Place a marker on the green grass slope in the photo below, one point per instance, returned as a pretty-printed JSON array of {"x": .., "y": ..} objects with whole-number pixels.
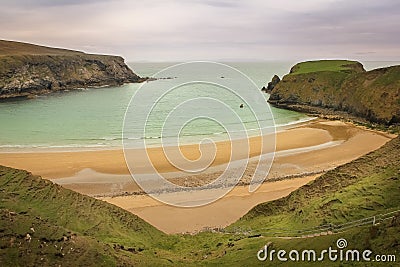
[
  {"x": 362, "y": 188},
  {"x": 62, "y": 222}
]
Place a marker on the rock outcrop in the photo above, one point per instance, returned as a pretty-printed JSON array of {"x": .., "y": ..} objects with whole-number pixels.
[
  {"x": 341, "y": 87},
  {"x": 271, "y": 85},
  {"x": 27, "y": 70}
]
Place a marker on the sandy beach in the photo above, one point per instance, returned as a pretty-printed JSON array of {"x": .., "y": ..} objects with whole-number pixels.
[
  {"x": 64, "y": 164},
  {"x": 303, "y": 152}
]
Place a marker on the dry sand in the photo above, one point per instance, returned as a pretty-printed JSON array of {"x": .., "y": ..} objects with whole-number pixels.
[
  {"x": 221, "y": 213},
  {"x": 302, "y": 151}
]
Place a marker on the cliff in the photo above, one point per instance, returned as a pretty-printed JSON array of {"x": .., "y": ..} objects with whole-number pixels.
[
  {"x": 27, "y": 70},
  {"x": 341, "y": 86}
]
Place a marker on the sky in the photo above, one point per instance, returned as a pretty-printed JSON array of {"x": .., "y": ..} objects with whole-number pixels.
[{"x": 219, "y": 30}]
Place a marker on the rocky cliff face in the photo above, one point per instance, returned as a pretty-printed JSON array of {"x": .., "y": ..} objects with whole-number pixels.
[
  {"x": 342, "y": 86},
  {"x": 27, "y": 70}
]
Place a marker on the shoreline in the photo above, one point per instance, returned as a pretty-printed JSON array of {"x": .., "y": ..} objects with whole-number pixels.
[
  {"x": 12, "y": 149},
  {"x": 42, "y": 162}
]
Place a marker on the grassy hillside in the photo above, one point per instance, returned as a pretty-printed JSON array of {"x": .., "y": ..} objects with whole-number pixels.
[
  {"x": 67, "y": 228},
  {"x": 341, "y": 86}
]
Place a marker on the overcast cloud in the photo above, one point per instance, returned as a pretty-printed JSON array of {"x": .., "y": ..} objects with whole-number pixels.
[{"x": 176, "y": 30}]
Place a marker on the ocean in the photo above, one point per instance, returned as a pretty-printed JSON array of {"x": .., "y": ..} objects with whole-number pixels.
[{"x": 93, "y": 118}]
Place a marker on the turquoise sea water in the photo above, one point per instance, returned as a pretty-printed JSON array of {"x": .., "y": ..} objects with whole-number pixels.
[{"x": 93, "y": 118}]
